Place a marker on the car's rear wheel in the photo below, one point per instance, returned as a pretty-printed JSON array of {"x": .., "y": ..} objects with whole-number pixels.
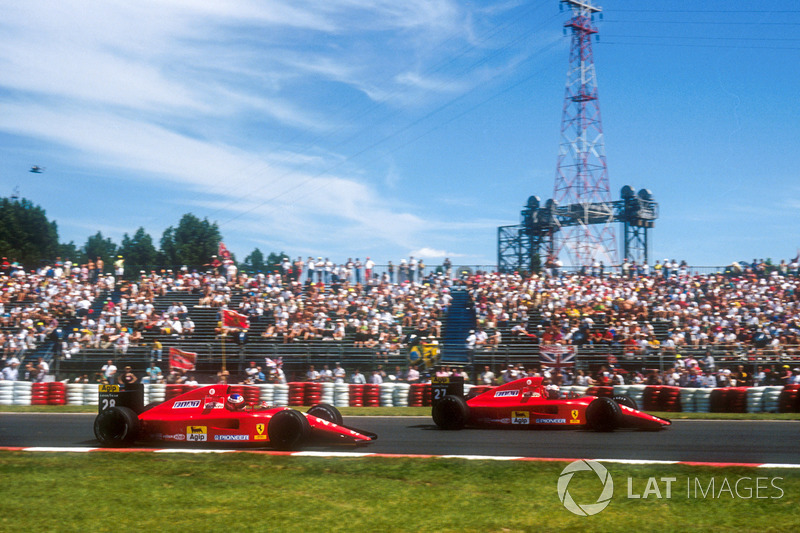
[
  {"x": 451, "y": 412},
  {"x": 603, "y": 414},
  {"x": 327, "y": 412},
  {"x": 626, "y": 401},
  {"x": 288, "y": 430},
  {"x": 116, "y": 426}
]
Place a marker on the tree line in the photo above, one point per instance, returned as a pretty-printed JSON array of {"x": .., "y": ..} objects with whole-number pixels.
[{"x": 30, "y": 239}]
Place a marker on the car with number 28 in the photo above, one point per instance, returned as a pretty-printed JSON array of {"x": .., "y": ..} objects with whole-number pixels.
[{"x": 215, "y": 415}]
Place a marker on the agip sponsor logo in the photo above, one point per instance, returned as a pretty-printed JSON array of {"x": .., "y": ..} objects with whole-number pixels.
[
  {"x": 186, "y": 404},
  {"x": 506, "y": 393},
  {"x": 108, "y": 388},
  {"x": 197, "y": 433},
  {"x": 520, "y": 417}
]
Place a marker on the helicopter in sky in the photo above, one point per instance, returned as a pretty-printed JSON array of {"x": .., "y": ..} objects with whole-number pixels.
[{"x": 36, "y": 169}]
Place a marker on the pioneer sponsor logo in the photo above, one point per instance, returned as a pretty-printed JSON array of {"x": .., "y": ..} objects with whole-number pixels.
[
  {"x": 506, "y": 393},
  {"x": 231, "y": 437},
  {"x": 186, "y": 404},
  {"x": 551, "y": 421}
]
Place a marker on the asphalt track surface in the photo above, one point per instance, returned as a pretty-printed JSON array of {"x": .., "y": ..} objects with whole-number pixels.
[{"x": 730, "y": 441}]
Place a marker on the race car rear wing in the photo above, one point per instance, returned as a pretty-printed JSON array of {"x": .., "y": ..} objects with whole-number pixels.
[
  {"x": 131, "y": 396},
  {"x": 448, "y": 385}
]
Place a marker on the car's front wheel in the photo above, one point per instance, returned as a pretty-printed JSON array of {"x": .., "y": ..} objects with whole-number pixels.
[
  {"x": 288, "y": 430},
  {"x": 603, "y": 414},
  {"x": 327, "y": 412}
]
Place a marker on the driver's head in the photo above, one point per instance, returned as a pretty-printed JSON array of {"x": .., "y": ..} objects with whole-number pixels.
[
  {"x": 553, "y": 392},
  {"x": 235, "y": 402}
]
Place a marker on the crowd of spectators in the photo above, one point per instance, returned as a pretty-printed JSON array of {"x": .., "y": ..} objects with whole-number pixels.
[{"x": 633, "y": 310}]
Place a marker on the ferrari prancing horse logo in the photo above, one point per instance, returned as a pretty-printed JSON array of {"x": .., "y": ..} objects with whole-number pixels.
[
  {"x": 260, "y": 428},
  {"x": 575, "y": 414}
]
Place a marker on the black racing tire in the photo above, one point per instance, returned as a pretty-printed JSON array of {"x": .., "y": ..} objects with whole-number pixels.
[
  {"x": 451, "y": 412},
  {"x": 288, "y": 430},
  {"x": 327, "y": 412},
  {"x": 603, "y": 414},
  {"x": 626, "y": 400},
  {"x": 116, "y": 427}
]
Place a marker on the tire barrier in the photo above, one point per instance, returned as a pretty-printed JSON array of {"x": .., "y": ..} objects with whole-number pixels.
[
  {"x": 372, "y": 395},
  {"x": 297, "y": 393},
  {"x": 386, "y": 394},
  {"x": 6, "y": 393},
  {"x": 766, "y": 399},
  {"x": 341, "y": 395},
  {"x": 281, "y": 394},
  {"x": 787, "y": 401},
  {"x": 357, "y": 395}
]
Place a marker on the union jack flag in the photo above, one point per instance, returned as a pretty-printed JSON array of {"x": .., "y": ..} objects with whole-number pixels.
[{"x": 556, "y": 356}]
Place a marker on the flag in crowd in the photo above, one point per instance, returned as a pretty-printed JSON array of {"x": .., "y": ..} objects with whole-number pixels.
[
  {"x": 556, "y": 356},
  {"x": 274, "y": 363},
  {"x": 232, "y": 319},
  {"x": 182, "y": 360}
]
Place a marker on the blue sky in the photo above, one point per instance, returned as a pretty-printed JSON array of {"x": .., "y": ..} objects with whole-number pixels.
[{"x": 349, "y": 128}]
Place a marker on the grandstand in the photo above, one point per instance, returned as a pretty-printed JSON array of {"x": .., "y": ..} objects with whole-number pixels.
[{"x": 574, "y": 310}]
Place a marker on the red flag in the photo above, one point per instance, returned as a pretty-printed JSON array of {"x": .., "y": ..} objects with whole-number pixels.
[
  {"x": 181, "y": 359},
  {"x": 232, "y": 319}
]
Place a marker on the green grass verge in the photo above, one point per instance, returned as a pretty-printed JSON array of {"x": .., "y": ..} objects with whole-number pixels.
[
  {"x": 230, "y": 492},
  {"x": 416, "y": 411}
]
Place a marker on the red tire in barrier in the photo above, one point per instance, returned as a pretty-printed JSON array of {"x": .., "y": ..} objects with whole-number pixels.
[
  {"x": 669, "y": 399},
  {"x": 356, "y": 395},
  {"x": 426, "y": 395},
  {"x": 372, "y": 394},
  {"x": 718, "y": 400},
  {"x": 788, "y": 399},
  {"x": 416, "y": 395},
  {"x": 173, "y": 390},
  {"x": 736, "y": 400},
  {"x": 651, "y": 398}
]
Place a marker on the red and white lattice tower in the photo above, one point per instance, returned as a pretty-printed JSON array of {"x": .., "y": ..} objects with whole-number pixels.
[{"x": 582, "y": 176}]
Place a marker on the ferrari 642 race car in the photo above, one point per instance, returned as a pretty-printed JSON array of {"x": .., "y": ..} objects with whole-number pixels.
[
  {"x": 212, "y": 415},
  {"x": 527, "y": 403}
]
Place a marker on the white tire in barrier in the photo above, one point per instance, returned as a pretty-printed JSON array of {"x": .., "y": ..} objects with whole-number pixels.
[
  {"x": 386, "y": 394},
  {"x": 621, "y": 390},
  {"x": 266, "y": 392},
  {"x": 755, "y": 399},
  {"x": 771, "y": 397},
  {"x": 687, "y": 399},
  {"x": 341, "y": 395},
  {"x": 702, "y": 400},
  {"x": 401, "y": 394},
  {"x": 4, "y": 401},
  {"x": 281, "y": 394}
]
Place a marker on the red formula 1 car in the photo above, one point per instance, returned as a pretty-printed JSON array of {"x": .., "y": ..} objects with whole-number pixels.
[
  {"x": 213, "y": 415},
  {"x": 526, "y": 403}
]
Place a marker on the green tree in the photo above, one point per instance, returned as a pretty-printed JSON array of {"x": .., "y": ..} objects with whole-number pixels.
[
  {"x": 255, "y": 261},
  {"x": 138, "y": 251},
  {"x": 274, "y": 261},
  {"x": 25, "y": 233},
  {"x": 192, "y": 243},
  {"x": 98, "y": 246}
]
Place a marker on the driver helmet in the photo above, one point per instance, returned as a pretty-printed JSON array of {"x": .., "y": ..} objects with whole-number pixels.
[
  {"x": 553, "y": 392},
  {"x": 235, "y": 402}
]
